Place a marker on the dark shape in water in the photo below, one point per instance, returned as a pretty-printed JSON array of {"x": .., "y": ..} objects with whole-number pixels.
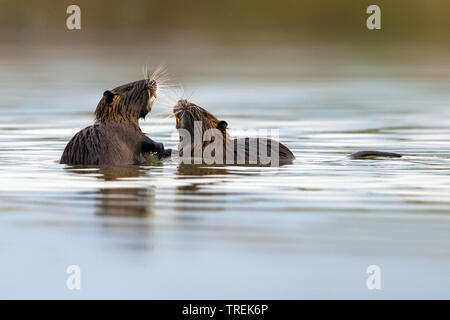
[{"x": 361, "y": 155}]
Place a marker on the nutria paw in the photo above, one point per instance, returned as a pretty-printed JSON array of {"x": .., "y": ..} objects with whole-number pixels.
[
  {"x": 167, "y": 153},
  {"x": 161, "y": 152},
  {"x": 159, "y": 149}
]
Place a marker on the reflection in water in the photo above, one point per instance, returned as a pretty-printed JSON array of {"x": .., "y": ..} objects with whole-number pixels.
[
  {"x": 186, "y": 171},
  {"x": 121, "y": 201},
  {"x": 201, "y": 170},
  {"x": 109, "y": 173},
  {"x": 203, "y": 176},
  {"x": 127, "y": 202}
]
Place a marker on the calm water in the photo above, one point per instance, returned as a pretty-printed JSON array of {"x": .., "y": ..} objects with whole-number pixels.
[{"x": 306, "y": 230}]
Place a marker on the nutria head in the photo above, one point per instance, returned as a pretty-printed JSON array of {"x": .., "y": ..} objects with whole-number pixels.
[
  {"x": 187, "y": 113},
  {"x": 197, "y": 127},
  {"x": 127, "y": 103}
]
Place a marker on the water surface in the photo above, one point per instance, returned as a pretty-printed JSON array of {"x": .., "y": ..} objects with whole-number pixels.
[{"x": 161, "y": 230}]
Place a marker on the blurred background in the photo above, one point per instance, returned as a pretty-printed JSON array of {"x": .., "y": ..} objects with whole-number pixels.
[
  {"x": 249, "y": 38},
  {"x": 310, "y": 69},
  {"x": 227, "y": 22}
]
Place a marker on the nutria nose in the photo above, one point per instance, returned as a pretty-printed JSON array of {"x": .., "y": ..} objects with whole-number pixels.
[{"x": 152, "y": 84}]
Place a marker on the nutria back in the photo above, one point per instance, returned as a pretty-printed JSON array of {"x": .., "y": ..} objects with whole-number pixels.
[
  {"x": 259, "y": 151},
  {"x": 104, "y": 144}
]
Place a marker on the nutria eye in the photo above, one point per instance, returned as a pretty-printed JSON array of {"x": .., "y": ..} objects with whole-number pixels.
[
  {"x": 222, "y": 125},
  {"x": 129, "y": 88},
  {"x": 109, "y": 96}
]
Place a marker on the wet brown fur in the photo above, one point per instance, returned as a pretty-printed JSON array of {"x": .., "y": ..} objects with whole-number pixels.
[
  {"x": 116, "y": 138},
  {"x": 187, "y": 113}
]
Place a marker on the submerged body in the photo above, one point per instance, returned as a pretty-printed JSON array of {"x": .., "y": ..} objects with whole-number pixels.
[
  {"x": 361, "y": 155},
  {"x": 108, "y": 144},
  {"x": 116, "y": 138},
  {"x": 216, "y": 146}
]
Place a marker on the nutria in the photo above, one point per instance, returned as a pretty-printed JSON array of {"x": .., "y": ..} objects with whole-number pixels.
[
  {"x": 116, "y": 138},
  {"x": 193, "y": 121}
]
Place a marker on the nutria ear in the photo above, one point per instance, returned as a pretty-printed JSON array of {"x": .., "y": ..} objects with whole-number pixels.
[
  {"x": 222, "y": 125},
  {"x": 109, "y": 96}
]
